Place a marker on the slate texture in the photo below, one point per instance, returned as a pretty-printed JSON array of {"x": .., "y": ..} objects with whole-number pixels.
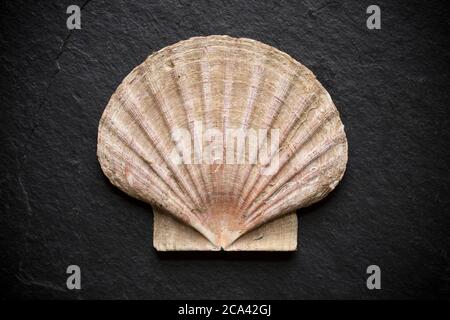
[{"x": 391, "y": 209}]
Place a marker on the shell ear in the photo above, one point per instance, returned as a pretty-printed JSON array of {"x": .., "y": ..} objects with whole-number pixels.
[
  {"x": 275, "y": 138},
  {"x": 171, "y": 235}
]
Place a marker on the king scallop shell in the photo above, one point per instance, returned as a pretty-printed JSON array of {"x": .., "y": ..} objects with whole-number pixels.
[{"x": 225, "y": 134}]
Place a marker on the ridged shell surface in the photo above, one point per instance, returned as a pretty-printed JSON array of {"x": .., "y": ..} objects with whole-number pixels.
[{"x": 166, "y": 106}]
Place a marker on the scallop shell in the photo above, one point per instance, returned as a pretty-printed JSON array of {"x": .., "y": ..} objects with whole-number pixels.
[{"x": 221, "y": 83}]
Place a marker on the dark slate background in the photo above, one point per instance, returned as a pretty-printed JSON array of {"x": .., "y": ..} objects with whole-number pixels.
[{"x": 391, "y": 209}]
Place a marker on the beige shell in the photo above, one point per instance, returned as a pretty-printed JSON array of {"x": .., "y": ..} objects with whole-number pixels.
[{"x": 222, "y": 82}]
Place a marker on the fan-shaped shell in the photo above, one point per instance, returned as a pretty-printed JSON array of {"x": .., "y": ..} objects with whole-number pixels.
[{"x": 222, "y": 82}]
